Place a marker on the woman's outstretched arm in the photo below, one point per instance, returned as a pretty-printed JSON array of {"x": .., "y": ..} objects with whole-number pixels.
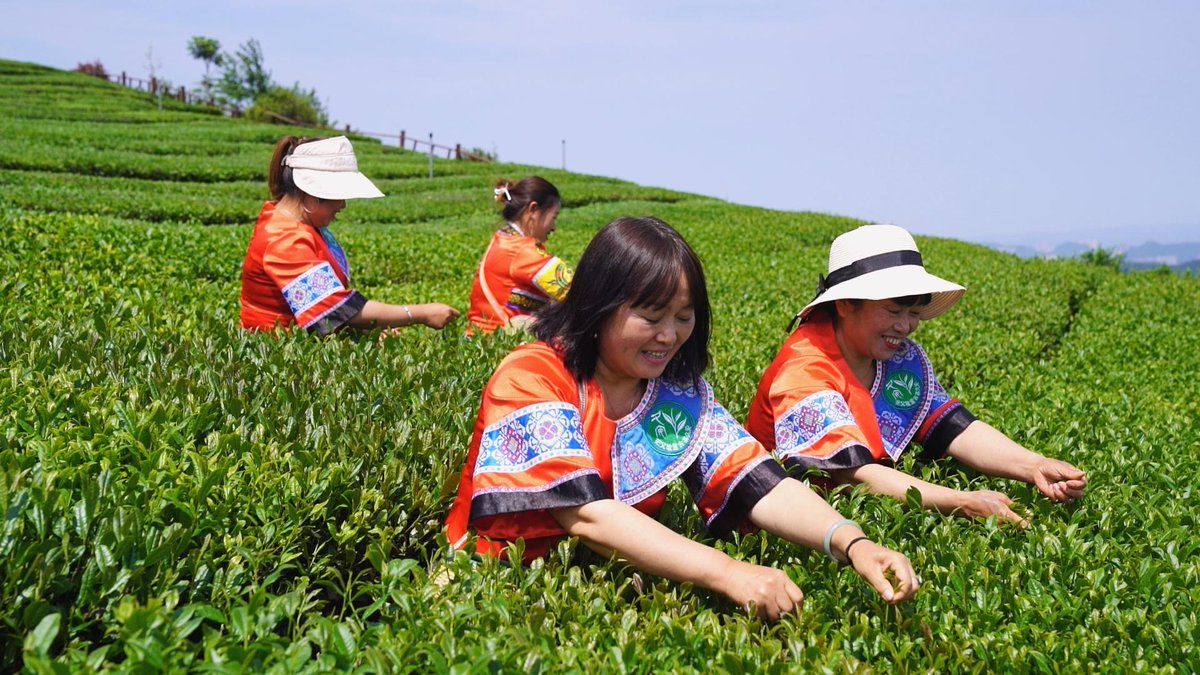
[
  {"x": 885, "y": 480},
  {"x": 608, "y": 526},
  {"x": 794, "y": 512},
  {"x": 384, "y": 315},
  {"x": 988, "y": 451}
]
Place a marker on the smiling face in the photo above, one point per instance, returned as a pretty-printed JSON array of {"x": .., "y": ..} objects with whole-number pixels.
[
  {"x": 637, "y": 343},
  {"x": 872, "y": 330}
]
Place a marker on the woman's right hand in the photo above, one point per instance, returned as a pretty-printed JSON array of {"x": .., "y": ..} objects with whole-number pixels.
[
  {"x": 873, "y": 563},
  {"x": 984, "y": 503},
  {"x": 435, "y": 314},
  {"x": 770, "y": 592}
]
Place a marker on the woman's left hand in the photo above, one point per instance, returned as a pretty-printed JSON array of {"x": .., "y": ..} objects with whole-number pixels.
[{"x": 1058, "y": 480}]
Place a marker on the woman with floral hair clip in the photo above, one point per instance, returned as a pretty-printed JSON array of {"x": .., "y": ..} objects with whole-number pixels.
[{"x": 516, "y": 275}]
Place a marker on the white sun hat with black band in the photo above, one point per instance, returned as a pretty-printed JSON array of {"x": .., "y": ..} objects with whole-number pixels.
[
  {"x": 328, "y": 169},
  {"x": 880, "y": 262}
]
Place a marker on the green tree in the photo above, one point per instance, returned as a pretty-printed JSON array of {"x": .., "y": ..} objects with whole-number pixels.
[
  {"x": 207, "y": 50},
  {"x": 244, "y": 76},
  {"x": 294, "y": 103}
]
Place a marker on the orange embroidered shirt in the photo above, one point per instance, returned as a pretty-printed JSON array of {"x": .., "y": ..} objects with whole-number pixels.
[
  {"x": 295, "y": 274},
  {"x": 520, "y": 276}
]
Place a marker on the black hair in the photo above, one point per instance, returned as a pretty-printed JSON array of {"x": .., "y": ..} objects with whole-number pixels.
[
  {"x": 903, "y": 301},
  {"x": 517, "y": 196},
  {"x": 635, "y": 261},
  {"x": 913, "y": 300}
]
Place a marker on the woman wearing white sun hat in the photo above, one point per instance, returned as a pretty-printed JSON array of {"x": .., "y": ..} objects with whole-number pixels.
[
  {"x": 295, "y": 272},
  {"x": 849, "y": 391}
]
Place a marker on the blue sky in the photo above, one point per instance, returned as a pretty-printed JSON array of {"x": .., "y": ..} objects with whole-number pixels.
[{"x": 1004, "y": 122}]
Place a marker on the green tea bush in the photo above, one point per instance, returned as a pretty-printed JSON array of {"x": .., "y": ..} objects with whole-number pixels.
[{"x": 181, "y": 495}]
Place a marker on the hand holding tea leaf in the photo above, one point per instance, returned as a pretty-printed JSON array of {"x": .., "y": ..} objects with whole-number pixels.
[
  {"x": 768, "y": 592},
  {"x": 984, "y": 503},
  {"x": 1059, "y": 480},
  {"x": 889, "y": 573}
]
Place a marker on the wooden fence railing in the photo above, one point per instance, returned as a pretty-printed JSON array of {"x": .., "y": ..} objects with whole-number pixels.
[{"x": 156, "y": 87}]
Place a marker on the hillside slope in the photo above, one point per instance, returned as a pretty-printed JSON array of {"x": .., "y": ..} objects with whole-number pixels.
[{"x": 178, "y": 493}]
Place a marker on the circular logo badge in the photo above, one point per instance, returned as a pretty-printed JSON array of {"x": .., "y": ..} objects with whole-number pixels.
[
  {"x": 669, "y": 427},
  {"x": 903, "y": 390}
]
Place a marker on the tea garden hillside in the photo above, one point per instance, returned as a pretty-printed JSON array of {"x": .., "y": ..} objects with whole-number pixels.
[{"x": 180, "y": 494}]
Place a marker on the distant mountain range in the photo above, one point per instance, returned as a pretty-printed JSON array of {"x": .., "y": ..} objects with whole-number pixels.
[{"x": 1179, "y": 257}]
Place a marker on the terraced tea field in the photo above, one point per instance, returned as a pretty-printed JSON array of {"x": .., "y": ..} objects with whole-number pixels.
[{"x": 180, "y": 495}]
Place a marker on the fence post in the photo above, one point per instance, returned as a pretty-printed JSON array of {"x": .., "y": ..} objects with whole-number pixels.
[
  {"x": 458, "y": 151},
  {"x": 401, "y": 139},
  {"x": 182, "y": 93},
  {"x": 122, "y": 78},
  {"x": 431, "y": 154}
]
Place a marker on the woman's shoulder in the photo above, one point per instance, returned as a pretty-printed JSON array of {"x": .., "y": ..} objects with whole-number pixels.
[
  {"x": 806, "y": 361},
  {"x": 535, "y": 370},
  {"x": 536, "y": 356}
]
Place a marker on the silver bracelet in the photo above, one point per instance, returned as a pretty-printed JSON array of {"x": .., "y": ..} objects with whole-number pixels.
[
  {"x": 411, "y": 321},
  {"x": 834, "y": 528}
]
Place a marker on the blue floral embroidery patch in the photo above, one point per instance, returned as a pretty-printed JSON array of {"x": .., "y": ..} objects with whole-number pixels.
[
  {"x": 720, "y": 437},
  {"x": 903, "y": 391},
  {"x": 809, "y": 421},
  {"x": 312, "y": 287},
  {"x": 530, "y": 436},
  {"x": 659, "y": 440}
]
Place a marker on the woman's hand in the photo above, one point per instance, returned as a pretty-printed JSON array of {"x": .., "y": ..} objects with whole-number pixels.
[
  {"x": 873, "y": 563},
  {"x": 1059, "y": 480},
  {"x": 435, "y": 314},
  {"x": 766, "y": 590},
  {"x": 984, "y": 503}
]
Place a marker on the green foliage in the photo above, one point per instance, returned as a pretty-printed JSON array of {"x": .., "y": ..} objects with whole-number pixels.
[
  {"x": 1103, "y": 257},
  {"x": 283, "y": 105},
  {"x": 244, "y": 75},
  {"x": 207, "y": 50},
  {"x": 180, "y": 495}
]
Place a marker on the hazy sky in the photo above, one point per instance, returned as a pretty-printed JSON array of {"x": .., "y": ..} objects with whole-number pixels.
[{"x": 1008, "y": 121}]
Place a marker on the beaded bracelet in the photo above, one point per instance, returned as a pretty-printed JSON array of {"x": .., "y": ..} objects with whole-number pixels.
[
  {"x": 411, "y": 321},
  {"x": 846, "y": 551}
]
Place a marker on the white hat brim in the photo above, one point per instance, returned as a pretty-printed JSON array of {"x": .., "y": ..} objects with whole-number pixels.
[
  {"x": 895, "y": 282},
  {"x": 335, "y": 184}
]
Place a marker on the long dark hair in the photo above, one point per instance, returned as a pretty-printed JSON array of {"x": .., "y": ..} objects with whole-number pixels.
[{"x": 638, "y": 261}]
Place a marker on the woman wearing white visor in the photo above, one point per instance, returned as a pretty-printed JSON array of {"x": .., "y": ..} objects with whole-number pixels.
[
  {"x": 849, "y": 391},
  {"x": 295, "y": 272}
]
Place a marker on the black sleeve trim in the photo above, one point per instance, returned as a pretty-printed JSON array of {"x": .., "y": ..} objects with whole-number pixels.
[
  {"x": 575, "y": 492},
  {"x": 752, "y": 487},
  {"x": 847, "y": 458},
  {"x": 334, "y": 320},
  {"x": 948, "y": 428}
]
